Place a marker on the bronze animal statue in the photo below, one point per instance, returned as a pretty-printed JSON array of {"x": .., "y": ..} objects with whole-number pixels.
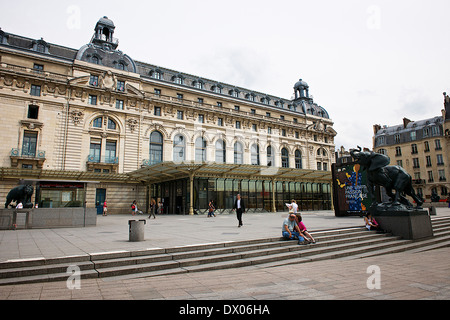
[
  {"x": 20, "y": 194},
  {"x": 380, "y": 173}
]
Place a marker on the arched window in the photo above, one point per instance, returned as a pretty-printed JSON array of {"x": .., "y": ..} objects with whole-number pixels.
[
  {"x": 285, "y": 158},
  {"x": 321, "y": 152},
  {"x": 156, "y": 148},
  {"x": 200, "y": 150},
  {"x": 270, "y": 157},
  {"x": 298, "y": 159},
  {"x": 95, "y": 60},
  {"x": 221, "y": 152},
  {"x": 255, "y": 155},
  {"x": 121, "y": 66},
  {"x": 238, "y": 153},
  {"x": 111, "y": 125},
  {"x": 97, "y": 123},
  {"x": 179, "y": 146}
]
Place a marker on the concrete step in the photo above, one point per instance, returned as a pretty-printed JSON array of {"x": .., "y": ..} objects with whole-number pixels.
[{"x": 331, "y": 244}]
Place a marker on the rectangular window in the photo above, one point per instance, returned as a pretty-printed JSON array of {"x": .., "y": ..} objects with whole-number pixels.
[
  {"x": 35, "y": 90},
  {"x": 110, "y": 152},
  {"x": 430, "y": 176},
  {"x": 295, "y": 120},
  {"x": 93, "y": 81},
  {"x": 92, "y": 100},
  {"x": 219, "y": 104},
  {"x": 269, "y": 130},
  {"x": 437, "y": 143},
  {"x": 95, "y": 151},
  {"x": 38, "y": 67},
  {"x": 416, "y": 163},
  {"x": 268, "y": 114},
  {"x": 319, "y": 166},
  {"x": 254, "y": 128},
  {"x": 220, "y": 122},
  {"x": 428, "y": 158},
  {"x": 201, "y": 118},
  {"x": 157, "y": 93},
  {"x": 283, "y": 132},
  {"x": 237, "y": 108},
  {"x": 252, "y": 111},
  {"x": 121, "y": 86},
  {"x": 180, "y": 115},
  {"x": 397, "y": 138},
  {"x": 442, "y": 175},
  {"x": 29, "y": 144},
  {"x": 281, "y": 117},
  {"x": 414, "y": 148},
  {"x": 440, "y": 160},
  {"x": 413, "y": 135},
  {"x": 400, "y": 163},
  {"x": 157, "y": 111},
  {"x": 427, "y": 146},
  {"x": 200, "y": 101},
  {"x": 238, "y": 124},
  {"x": 297, "y": 135},
  {"x": 179, "y": 97},
  {"x": 398, "y": 151},
  {"x": 119, "y": 104},
  {"x": 33, "y": 112}
]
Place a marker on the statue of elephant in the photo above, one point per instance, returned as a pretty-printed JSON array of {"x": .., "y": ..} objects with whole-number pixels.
[
  {"x": 20, "y": 194},
  {"x": 380, "y": 173}
]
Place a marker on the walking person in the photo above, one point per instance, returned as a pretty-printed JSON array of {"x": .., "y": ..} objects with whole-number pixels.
[
  {"x": 135, "y": 209},
  {"x": 211, "y": 209},
  {"x": 239, "y": 206},
  {"x": 105, "y": 208},
  {"x": 152, "y": 209}
]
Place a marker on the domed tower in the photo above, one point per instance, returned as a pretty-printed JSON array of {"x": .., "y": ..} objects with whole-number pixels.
[
  {"x": 102, "y": 49},
  {"x": 104, "y": 32},
  {"x": 301, "y": 90}
]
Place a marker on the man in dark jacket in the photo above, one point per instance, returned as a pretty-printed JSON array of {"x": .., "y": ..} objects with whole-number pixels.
[{"x": 239, "y": 206}]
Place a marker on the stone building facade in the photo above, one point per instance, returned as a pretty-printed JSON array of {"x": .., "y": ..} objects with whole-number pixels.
[
  {"x": 421, "y": 147},
  {"x": 82, "y": 124}
]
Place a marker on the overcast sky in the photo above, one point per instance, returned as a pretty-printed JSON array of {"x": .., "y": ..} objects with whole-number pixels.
[{"x": 366, "y": 62}]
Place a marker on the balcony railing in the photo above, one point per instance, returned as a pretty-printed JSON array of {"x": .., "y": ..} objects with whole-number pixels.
[
  {"x": 25, "y": 153},
  {"x": 108, "y": 160}
]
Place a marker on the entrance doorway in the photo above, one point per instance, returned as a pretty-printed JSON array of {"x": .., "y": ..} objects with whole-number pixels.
[{"x": 100, "y": 196}]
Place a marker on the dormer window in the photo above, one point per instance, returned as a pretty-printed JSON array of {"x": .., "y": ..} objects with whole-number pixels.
[
  {"x": 178, "y": 79},
  {"x": 95, "y": 60},
  {"x": 121, "y": 66}
]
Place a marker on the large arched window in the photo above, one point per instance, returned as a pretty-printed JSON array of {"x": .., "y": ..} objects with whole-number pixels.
[
  {"x": 285, "y": 158},
  {"x": 156, "y": 148},
  {"x": 221, "y": 152},
  {"x": 298, "y": 159},
  {"x": 238, "y": 153},
  {"x": 270, "y": 157},
  {"x": 179, "y": 148},
  {"x": 255, "y": 155},
  {"x": 200, "y": 150}
]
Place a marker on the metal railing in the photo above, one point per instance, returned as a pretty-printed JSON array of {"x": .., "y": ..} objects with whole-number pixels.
[{"x": 26, "y": 153}]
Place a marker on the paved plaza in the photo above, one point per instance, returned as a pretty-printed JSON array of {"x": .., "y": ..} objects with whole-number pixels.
[{"x": 406, "y": 275}]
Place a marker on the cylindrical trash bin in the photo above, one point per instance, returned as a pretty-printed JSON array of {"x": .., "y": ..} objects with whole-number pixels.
[{"x": 137, "y": 230}]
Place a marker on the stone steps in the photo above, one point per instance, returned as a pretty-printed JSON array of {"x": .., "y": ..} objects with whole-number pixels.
[{"x": 348, "y": 243}]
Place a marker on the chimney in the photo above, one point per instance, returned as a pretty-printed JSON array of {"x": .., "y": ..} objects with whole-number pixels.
[
  {"x": 376, "y": 128},
  {"x": 405, "y": 122}
]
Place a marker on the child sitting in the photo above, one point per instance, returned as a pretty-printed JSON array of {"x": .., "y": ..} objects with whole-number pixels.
[{"x": 303, "y": 229}]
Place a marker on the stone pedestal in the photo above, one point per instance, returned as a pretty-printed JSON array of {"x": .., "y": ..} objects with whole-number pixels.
[{"x": 408, "y": 224}]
